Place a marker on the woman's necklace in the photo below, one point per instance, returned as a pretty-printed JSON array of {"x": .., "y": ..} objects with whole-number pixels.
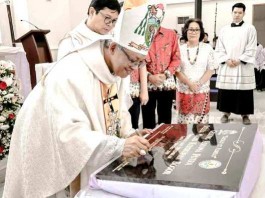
[{"x": 194, "y": 61}]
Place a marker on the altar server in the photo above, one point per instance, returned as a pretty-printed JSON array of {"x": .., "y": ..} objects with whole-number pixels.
[{"x": 235, "y": 50}]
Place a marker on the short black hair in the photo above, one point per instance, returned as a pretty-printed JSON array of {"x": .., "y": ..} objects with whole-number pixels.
[
  {"x": 205, "y": 33},
  {"x": 186, "y": 27},
  {"x": 101, "y": 4},
  {"x": 239, "y": 5}
]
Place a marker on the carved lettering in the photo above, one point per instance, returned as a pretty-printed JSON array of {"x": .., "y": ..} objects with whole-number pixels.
[
  {"x": 193, "y": 159},
  {"x": 201, "y": 147},
  {"x": 171, "y": 167}
]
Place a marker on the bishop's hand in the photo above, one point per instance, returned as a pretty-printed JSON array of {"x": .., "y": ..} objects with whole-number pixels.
[{"x": 133, "y": 146}]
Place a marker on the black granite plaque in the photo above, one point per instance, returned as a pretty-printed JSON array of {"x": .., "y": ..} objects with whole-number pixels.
[{"x": 212, "y": 156}]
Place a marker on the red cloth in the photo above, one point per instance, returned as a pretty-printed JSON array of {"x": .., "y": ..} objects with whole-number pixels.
[
  {"x": 164, "y": 52},
  {"x": 192, "y": 103}
]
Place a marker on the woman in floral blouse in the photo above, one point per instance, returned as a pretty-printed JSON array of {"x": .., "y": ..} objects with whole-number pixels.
[{"x": 194, "y": 73}]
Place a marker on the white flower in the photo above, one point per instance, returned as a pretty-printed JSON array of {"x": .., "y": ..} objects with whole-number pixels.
[
  {"x": 7, "y": 96},
  {"x": 14, "y": 100},
  {"x": 5, "y": 113},
  {"x": 4, "y": 127},
  {"x": 8, "y": 65},
  {"x": 7, "y": 80},
  {"x": 2, "y": 119}
]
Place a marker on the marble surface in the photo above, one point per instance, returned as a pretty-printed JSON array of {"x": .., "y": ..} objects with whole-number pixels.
[{"x": 197, "y": 156}]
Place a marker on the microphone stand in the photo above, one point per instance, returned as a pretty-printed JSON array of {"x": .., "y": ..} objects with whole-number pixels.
[
  {"x": 30, "y": 23},
  {"x": 7, "y": 2}
]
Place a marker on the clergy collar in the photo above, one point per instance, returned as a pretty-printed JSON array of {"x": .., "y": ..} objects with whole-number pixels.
[{"x": 237, "y": 24}]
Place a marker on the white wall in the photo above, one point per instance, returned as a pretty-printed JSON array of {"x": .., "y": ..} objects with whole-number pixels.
[
  {"x": 19, "y": 10},
  {"x": 53, "y": 15},
  {"x": 224, "y": 10},
  {"x": 60, "y": 16},
  {"x": 78, "y": 11},
  {"x": 4, "y": 27}
]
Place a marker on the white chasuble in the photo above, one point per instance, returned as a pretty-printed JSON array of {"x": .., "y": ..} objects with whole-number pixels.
[{"x": 60, "y": 130}]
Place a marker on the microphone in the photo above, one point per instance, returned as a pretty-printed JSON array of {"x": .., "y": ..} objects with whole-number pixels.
[{"x": 30, "y": 23}]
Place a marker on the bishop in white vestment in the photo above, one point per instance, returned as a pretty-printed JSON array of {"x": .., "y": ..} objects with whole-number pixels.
[{"x": 73, "y": 121}]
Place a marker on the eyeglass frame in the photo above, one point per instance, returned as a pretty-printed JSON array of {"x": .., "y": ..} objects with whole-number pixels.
[
  {"x": 134, "y": 63},
  {"x": 108, "y": 20},
  {"x": 194, "y": 30}
]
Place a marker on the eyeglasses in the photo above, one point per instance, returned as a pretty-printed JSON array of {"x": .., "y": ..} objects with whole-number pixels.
[
  {"x": 108, "y": 20},
  {"x": 133, "y": 62},
  {"x": 194, "y": 30}
]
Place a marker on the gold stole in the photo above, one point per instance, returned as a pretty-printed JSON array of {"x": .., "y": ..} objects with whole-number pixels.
[
  {"x": 112, "y": 121},
  {"x": 75, "y": 186},
  {"x": 111, "y": 109}
]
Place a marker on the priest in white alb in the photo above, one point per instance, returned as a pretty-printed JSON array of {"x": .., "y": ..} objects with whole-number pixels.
[{"x": 101, "y": 19}]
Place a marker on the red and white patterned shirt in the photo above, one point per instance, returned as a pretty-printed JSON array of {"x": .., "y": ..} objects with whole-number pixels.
[{"x": 164, "y": 52}]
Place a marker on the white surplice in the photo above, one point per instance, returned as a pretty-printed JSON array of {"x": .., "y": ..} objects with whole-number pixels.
[
  {"x": 236, "y": 43},
  {"x": 60, "y": 129},
  {"x": 81, "y": 35}
]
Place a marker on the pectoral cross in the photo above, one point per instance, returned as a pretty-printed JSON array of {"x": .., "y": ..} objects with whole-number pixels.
[
  {"x": 109, "y": 100},
  {"x": 111, "y": 109}
]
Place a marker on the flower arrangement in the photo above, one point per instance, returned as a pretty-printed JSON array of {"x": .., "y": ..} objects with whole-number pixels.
[{"x": 10, "y": 103}]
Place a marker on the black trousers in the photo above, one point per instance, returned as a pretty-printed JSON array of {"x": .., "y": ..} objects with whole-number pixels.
[
  {"x": 135, "y": 112},
  {"x": 257, "y": 77},
  {"x": 261, "y": 85},
  {"x": 162, "y": 100},
  {"x": 239, "y": 102}
]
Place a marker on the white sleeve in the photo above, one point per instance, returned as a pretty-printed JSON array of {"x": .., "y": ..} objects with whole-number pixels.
[
  {"x": 65, "y": 46},
  {"x": 251, "y": 46},
  {"x": 220, "y": 51}
]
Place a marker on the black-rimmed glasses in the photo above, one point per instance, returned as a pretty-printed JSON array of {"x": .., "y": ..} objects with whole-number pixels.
[
  {"x": 108, "y": 20},
  {"x": 133, "y": 62},
  {"x": 194, "y": 30}
]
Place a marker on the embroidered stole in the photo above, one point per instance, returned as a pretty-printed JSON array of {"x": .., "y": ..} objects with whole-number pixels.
[
  {"x": 111, "y": 109},
  {"x": 112, "y": 121}
]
